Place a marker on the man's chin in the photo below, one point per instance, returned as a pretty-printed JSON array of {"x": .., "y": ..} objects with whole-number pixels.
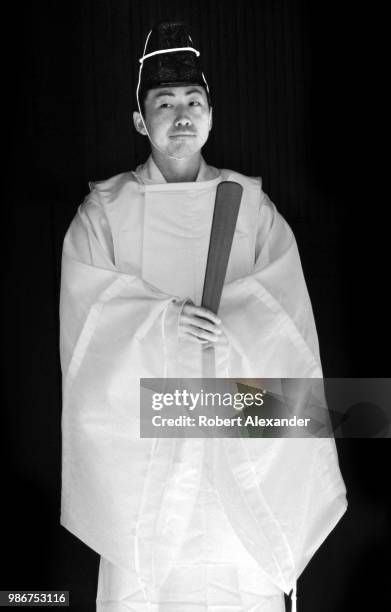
[{"x": 183, "y": 151}]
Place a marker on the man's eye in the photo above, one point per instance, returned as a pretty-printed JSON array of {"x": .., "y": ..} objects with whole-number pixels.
[
  {"x": 195, "y": 103},
  {"x": 165, "y": 105}
]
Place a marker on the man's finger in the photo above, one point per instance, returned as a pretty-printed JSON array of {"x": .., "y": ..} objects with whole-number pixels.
[
  {"x": 202, "y": 313},
  {"x": 195, "y": 339},
  {"x": 203, "y": 335},
  {"x": 201, "y": 324}
]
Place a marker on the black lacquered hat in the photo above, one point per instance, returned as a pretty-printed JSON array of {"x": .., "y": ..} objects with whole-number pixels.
[{"x": 169, "y": 59}]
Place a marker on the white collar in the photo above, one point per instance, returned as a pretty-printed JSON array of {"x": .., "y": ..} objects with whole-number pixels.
[{"x": 150, "y": 173}]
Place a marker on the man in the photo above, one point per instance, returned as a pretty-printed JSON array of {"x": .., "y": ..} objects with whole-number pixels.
[{"x": 184, "y": 524}]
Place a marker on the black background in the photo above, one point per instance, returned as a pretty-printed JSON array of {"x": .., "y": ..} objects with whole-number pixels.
[{"x": 297, "y": 89}]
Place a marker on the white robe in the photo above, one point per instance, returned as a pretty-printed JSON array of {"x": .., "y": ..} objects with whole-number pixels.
[{"x": 185, "y": 524}]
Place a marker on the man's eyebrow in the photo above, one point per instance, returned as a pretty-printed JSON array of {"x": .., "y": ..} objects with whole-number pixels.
[
  {"x": 170, "y": 93},
  {"x": 195, "y": 90}
]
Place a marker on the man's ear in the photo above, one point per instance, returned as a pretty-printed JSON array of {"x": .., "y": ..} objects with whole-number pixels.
[
  {"x": 139, "y": 123},
  {"x": 210, "y": 118}
]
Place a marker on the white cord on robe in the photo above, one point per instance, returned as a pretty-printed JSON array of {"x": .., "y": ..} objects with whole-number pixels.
[{"x": 294, "y": 598}]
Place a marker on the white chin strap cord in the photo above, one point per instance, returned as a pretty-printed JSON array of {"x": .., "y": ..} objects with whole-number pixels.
[{"x": 145, "y": 56}]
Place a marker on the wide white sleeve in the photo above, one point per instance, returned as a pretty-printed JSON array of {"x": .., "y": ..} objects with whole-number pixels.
[
  {"x": 267, "y": 314},
  {"x": 115, "y": 328},
  {"x": 283, "y": 496},
  {"x": 110, "y": 309}
]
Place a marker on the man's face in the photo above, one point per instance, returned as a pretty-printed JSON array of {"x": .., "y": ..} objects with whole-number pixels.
[{"x": 177, "y": 119}]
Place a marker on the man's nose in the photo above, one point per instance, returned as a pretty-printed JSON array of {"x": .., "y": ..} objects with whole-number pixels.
[{"x": 182, "y": 120}]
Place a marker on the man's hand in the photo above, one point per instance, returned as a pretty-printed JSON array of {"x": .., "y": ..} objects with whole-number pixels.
[{"x": 199, "y": 325}]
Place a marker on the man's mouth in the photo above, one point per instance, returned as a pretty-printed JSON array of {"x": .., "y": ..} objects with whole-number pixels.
[{"x": 182, "y": 135}]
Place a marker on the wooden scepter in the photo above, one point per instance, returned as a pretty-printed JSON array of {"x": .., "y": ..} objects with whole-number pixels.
[{"x": 226, "y": 209}]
